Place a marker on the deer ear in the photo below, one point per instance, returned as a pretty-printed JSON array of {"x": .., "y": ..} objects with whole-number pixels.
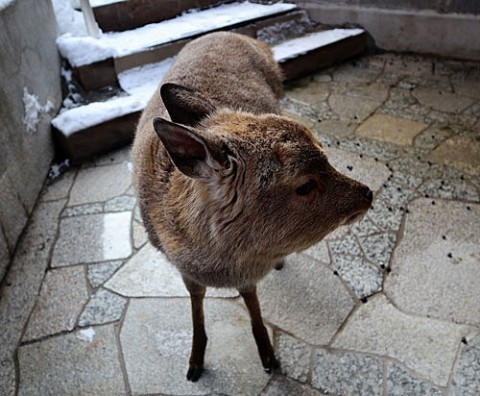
[
  {"x": 184, "y": 105},
  {"x": 189, "y": 151}
]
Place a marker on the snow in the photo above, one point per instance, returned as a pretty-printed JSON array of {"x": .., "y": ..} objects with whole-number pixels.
[
  {"x": 87, "y": 334},
  {"x": 81, "y": 51},
  {"x": 99, "y": 3},
  {"x": 142, "y": 81},
  {"x": 5, "y": 3},
  {"x": 69, "y": 20},
  {"x": 82, "y": 117},
  {"x": 33, "y": 110},
  {"x": 293, "y": 48}
]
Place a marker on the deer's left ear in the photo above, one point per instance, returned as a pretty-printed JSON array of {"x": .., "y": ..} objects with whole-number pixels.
[
  {"x": 184, "y": 105},
  {"x": 191, "y": 153}
]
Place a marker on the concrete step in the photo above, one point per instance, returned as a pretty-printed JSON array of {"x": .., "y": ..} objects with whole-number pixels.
[
  {"x": 97, "y": 62},
  {"x": 121, "y": 15},
  {"x": 97, "y": 127}
]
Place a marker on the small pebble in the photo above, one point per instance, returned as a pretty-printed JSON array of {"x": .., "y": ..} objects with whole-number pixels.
[
  {"x": 464, "y": 340},
  {"x": 376, "y": 159},
  {"x": 427, "y": 196},
  {"x": 361, "y": 155},
  {"x": 407, "y": 211},
  {"x": 335, "y": 273},
  {"x": 444, "y": 237},
  {"x": 449, "y": 255},
  {"x": 433, "y": 202},
  {"x": 469, "y": 208},
  {"x": 390, "y": 209}
]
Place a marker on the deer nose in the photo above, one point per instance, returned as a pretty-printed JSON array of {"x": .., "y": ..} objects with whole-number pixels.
[{"x": 369, "y": 195}]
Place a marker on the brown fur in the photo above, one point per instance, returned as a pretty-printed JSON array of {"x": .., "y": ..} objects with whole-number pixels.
[{"x": 222, "y": 194}]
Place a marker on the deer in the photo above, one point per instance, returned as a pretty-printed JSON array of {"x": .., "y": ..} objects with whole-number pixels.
[{"x": 228, "y": 187}]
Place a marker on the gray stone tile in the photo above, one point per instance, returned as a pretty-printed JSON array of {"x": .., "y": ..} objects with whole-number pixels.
[
  {"x": 305, "y": 299},
  {"x": 459, "y": 152},
  {"x": 308, "y": 92},
  {"x": 93, "y": 238},
  {"x": 357, "y": 71},
  {"x": 466, "y": 375},
  {"x": 364, "y": 169},
  {"x": 387, "y": 128},
  {"x": 81, "y": 210},
  {"x": 363, "y": 278},
  {"x": 97, "y": 274},
  {"x": 379, "y": 151},
  {"x": 319, "y": 252},
  {"x": 62, "y": 297},
  {"x": 22, "y": 283},
  {"x": 120, "y": 204},
  {"x": 156, "y": 342},
  {"x": 100, "y": 184},
  {"x": 402, "y": 383},
  {"x": 103, "y": 307},
  {"x": 346, "y": 245},
  {"x": 59, "y": 188},
  {"x": 435, "y": 267},
  {"x": 376, "y": 90},
  {"x": 281, "y": 386},
  {"x": 83, "y": 363},
  {"x": 441, "y": 100},
  {"x": 427, "y": 346},
  {"x": 149, "y": 274},
  {"x": 364, "y": 227},
  {"x": 335, "y": 128},
  {"x": 7, "y": 377},
  {"x": 347, "y": 373},
  {"x": 140, "y": 236},
  {"x": 13, "y": 216},
  {"x": 294, "y": 356},
  {"x": 385, "y": 215},
  {"x": 353, "y": 109},
  {"x": 120, "y": 156},
  {"x": 378, "y": 248}
]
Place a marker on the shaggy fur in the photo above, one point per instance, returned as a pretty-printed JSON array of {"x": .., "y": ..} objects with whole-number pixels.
[{"x": 226, "y": 186}]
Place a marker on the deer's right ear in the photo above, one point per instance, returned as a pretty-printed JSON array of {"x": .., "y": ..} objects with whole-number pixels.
[
  {"x": 189, "y": 151},
  {"x": 184, "y": 105}
]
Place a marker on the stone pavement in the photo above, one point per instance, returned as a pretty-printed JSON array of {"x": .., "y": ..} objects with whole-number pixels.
[{"x": 388, "y": 306}]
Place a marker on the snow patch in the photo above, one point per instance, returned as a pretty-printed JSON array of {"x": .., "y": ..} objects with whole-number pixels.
[
  {"x": 68, "y": 18},
  {"x": 58, "y": 169},
  {"x": 34, "y": 110},
  {"x": 142, "y": 81},
  {"x": 99, "y": 3},
  {"x": 5, "y": 3},
  {"x": 83, "y": 117},
  {"x": 81, "y": 51},
  {"x": 296, "y": 47},
  {"x": 87, "y": 334}
]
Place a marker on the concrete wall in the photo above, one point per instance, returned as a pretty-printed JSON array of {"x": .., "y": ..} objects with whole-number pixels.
[
  {"x": 441, "y": 27},
  {"x": 28, "y": 60}
]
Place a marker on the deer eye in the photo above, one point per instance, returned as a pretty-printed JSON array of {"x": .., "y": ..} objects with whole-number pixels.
[{"x": 306, "y": 188}]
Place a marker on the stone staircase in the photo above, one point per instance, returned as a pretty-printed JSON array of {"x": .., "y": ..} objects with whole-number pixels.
[{"x": 110, "y": 79}]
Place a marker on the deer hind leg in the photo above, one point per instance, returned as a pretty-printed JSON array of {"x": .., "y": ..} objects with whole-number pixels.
[
  {"x": 199, "y": 341},
  {"x": 265, "y": 349}
]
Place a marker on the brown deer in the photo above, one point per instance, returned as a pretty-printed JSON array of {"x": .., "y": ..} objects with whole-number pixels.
[{"x": 226, "y": 186}]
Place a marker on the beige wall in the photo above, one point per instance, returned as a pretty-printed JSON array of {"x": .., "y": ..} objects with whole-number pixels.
[
  {"x": 28, "y": 60},
  {"x": 448, "y": 28}
]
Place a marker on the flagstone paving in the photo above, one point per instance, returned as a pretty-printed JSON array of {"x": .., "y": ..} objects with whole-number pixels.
[{"x": 386, "y": 306}]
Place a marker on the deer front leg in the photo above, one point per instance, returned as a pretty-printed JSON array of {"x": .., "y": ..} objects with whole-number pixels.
[
  {"x": 265, "y": 349},
  {"x": 199, "y": 341}
]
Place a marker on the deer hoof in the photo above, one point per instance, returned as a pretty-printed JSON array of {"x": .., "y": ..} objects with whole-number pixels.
[
  {"x": 194, "y": 373},
  {"x": 270, "y": 364}
]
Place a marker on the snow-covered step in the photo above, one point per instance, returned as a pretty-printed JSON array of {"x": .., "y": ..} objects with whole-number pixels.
[
  {"x": 98, "y": 127},
  {"x": 121, "y": 15},
  {"x": 81, "y": 51}
]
